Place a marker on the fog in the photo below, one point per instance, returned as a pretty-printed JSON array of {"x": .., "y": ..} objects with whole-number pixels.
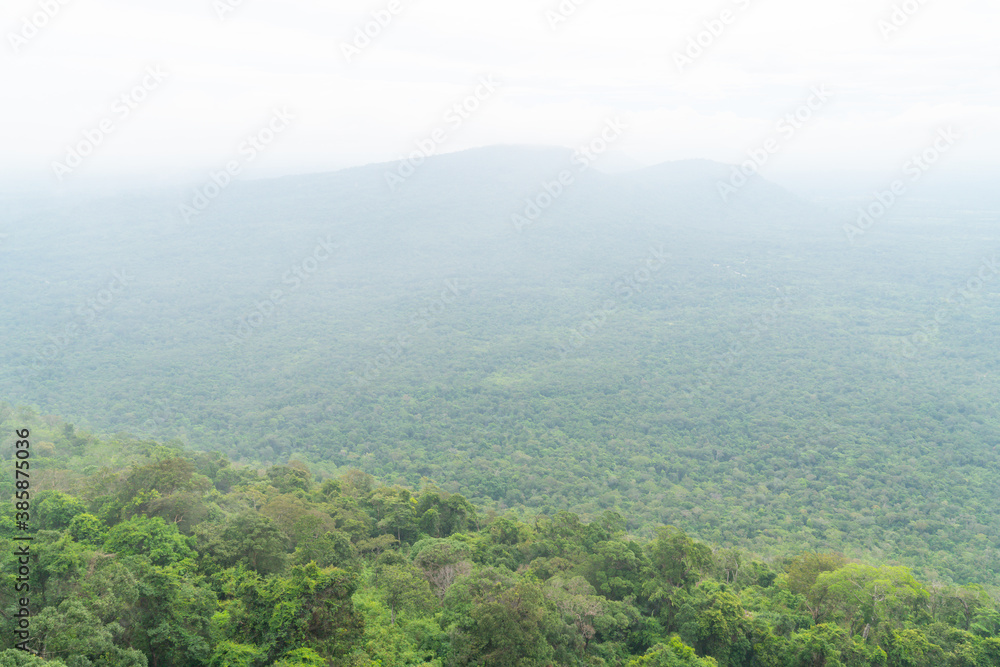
[
  {"x": 159, "y": 95},
  {"x": 726, "y": 266}
]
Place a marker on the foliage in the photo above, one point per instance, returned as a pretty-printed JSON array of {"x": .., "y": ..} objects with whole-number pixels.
[
  {"x": 770, "y": 387},
  {"x": 281, "y": 568}
]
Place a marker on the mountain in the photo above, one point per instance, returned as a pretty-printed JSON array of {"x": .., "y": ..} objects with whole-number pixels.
[{"x": 540, "y": 335}]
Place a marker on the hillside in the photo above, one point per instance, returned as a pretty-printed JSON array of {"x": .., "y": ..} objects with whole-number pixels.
[
  {"x": 737, "y": 369},
  {"x": 144, "y": 554}
]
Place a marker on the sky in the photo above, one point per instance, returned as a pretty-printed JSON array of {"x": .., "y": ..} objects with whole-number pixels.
[{"x": 130, "y": 93}]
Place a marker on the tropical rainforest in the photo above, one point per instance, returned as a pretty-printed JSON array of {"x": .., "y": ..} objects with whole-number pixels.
[
  {"x": 322, "y": 422},
  {"x": 168, "y": 557}
]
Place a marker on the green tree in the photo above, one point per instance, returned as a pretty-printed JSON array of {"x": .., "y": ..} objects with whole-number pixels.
[
  {"x": 579, "y": 605},
  {"x": 676, "y": 562},
  {"x": 57, "y": 563},
  {"x": 72, "y": 632},
  {"x": 287, "y": 479},
  {"x": 499, "y": 622},
  {"x": 910, "y": 648},
  {"x": 249, "y": 538},
  {"x": 714, "y": 622},
  {"x": 153, "y": 537},
  {"x": 301, "y": 656},
  {"x": 674, "y": 653},
  {"x": 616, "y": 569},
  {"x": 818, "y": 646},
  {"x": 403, "y": 586},
  {"x": 395, "y": 511},
  {"x": 803, "y": 572},
  {"x": 441, "y": 562},
  {"x": 231, "y": 654},
  {"x": 88, "y": 529},
  {"x": 332, "y": 549},
  {"x": 863, "y": 596},
  {"x": 311, "y": 608},
  {"x": 17, "y": 658},
  {"x": 56, "y": 510}
]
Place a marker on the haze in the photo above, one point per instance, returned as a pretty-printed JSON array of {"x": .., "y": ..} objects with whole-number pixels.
[{"x": 896, "y": 72}]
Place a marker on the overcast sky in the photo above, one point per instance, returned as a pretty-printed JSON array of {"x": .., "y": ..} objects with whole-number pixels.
[{"x": 225, "y": 66}]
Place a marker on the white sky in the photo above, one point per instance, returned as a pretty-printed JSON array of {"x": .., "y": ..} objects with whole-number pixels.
[{"x": 610, "y": 58}]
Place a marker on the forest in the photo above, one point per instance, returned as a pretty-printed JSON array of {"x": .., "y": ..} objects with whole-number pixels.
[
  {"x": 149, "y": 554},
  {"x": 742, "y": 371},
  {"x": 532, "y": 333},
  {"x": 325, "y": 425}
]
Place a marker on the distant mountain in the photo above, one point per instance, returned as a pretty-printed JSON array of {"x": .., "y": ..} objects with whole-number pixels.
[
  {"x": 203, "y": 257},
  {"x": 668, "y": 341},
  {"x": 452, "y": 206}
]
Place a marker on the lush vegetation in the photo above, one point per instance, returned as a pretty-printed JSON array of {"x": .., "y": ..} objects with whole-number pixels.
[
  {"x": 170, "y": 558},
  {"x": 810, "y": 412},
  {"x": 767, "y": 386}
]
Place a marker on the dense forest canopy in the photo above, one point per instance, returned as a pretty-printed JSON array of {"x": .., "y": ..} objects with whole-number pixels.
[
  {"x": 167, "y": 557},
  {"x": 322, "y": 423},
  {"x": 741, "y": 370}
]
